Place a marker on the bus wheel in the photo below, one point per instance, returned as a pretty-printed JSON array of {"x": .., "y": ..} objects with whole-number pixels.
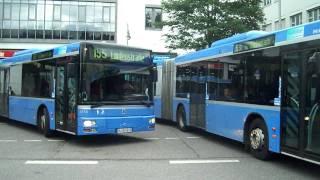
[
  {"x": 44, "y": 122},
  {"x": 258, "y": 140},
  {"x": 181, "y": 119}
]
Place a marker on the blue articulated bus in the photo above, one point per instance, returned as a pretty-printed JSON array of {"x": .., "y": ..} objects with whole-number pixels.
[
  {"x": 259, "y": 88},
  {"x": 81, "y": 88}
]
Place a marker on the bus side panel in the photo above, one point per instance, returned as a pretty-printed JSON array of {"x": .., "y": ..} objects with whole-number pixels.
[
  {"x": 25, "y": 109},
  {"x": 228, "y": 119},
  {"x": 272, "y": 119},
  {"x": 186, "y": 105},
  {"x": 225, "y": 120},
  {"x": 157, "y": 106}
]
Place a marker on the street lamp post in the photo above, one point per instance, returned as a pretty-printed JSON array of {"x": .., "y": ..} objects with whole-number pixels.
[{"x": 128, "y": 35}]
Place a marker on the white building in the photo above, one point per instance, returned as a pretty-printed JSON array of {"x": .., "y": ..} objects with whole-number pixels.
[
  {"x": 28, "y": 24},
  {"x": 291, "y": 12}
]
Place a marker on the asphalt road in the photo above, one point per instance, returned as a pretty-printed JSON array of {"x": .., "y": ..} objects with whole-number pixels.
[{"x": 166, "y": 153}]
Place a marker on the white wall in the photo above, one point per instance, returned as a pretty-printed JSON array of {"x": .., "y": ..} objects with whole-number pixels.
[
  {"x": 133, "y": 14},
  {"x": 288, "y": 8}
]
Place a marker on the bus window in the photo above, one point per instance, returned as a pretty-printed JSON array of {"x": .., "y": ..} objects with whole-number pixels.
[
  {"x": 225, "y": 80},
  {"x": 107, "y": 83},
  {"x": 16, "y": 80},
  {"x": 37, "y": 79},
  {"x": 182, "y": 81},
  {"x": 262, "y": 79}
]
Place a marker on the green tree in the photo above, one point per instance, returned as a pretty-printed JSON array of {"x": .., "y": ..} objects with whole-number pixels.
[{"x": 195, "y": 24}]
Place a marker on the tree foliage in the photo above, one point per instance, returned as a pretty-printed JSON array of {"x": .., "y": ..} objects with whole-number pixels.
[{"x": 195, "y": 24}]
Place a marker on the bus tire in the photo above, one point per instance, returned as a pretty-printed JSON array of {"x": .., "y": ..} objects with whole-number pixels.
[
  {"x": 259, "y": 140},
  {"x": 44, "y": 122},
  {"x": 181, "y": 119}
]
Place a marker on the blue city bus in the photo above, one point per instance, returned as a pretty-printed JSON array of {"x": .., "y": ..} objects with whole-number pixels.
[
  {"x": 82, "y": 88},
  {"x": 258, "y": 88}
]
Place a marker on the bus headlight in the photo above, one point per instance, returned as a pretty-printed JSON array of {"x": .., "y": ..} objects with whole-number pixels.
[
  {"x": 89, "y": 123},
  {"x": 152, "y": 120}
]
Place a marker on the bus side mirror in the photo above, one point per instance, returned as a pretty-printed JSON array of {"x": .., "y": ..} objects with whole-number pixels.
[
  {"x": 317, "y": 59},
  {"x": 154, "y": 74}
]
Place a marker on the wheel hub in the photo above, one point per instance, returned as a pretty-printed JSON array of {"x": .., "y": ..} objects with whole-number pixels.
[
  {"x": 257, "y": 139},
  {"x": 43, "y": 121},
  {"x": 181, "y": 121}
]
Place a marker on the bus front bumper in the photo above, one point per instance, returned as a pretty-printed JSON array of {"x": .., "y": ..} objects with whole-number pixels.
[{"x": 115, "y": 125}]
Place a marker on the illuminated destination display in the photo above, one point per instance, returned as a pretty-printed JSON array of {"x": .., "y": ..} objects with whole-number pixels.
[
  {"x": 42, "y": 55},
  {"x": 255, "y": 44},
  {"x": 100, "y": 53}
]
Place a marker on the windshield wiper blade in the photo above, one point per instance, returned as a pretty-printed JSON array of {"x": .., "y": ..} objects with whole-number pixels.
[
  {"x": 97, "y": 105},
  {"x": 147, "y": 103}
]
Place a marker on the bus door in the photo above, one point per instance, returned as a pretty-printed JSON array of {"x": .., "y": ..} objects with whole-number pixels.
[
  {"x": 291, "y": 100},
  {"x": 311, "y": 119},
  {"x": 4, "y": 92},
  {"x": 65, "y": 106},
  {"x": 300, "y": 109},
  {"x": 198, "y": 95}
]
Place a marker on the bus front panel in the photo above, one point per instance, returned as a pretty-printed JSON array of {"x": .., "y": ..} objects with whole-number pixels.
[{"x": 115, "y": 119}]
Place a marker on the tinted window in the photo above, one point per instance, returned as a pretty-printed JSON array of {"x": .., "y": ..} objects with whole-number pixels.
[
  {"x": 37, "y": 79},
  {"x": 183, "y": 81},
  {"x": 15, "y": 80},
  {"x": 262, "y": 77},
  {"x": 226, "y": 80},
  {"x": 247, "y": 78}
]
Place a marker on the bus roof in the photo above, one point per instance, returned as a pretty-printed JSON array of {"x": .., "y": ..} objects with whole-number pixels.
[
  {"x": 29, "y": 54},
  {"x": 27, "y": 51},
  {"x": 236, "y": 43}
]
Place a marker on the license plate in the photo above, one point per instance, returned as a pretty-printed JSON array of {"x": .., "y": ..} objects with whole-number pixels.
[{"x": 124, "y": 130}]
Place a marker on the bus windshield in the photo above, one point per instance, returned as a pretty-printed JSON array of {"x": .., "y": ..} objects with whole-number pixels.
[{"x": 116, "y": 83}]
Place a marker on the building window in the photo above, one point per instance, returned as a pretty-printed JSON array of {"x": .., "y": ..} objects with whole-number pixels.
[
  {"x": 153, "y": 18},
  {"x": 277, "y": 25},
  {"x": 266, "y": 2},
  {"x": 7, "y": 11},
  {"x": 106, "y": 14},
  {"x": 58, "y": 20},
  {"x": 15, "y": 8},
  {"x": 56, "y": 13},
  {"x": 314, "y": 14},
  {"x": 82, "y": 14},
  {"x": 266, "y": 27},
  {"x": 32, "y": 11},
  {"x": 296, "y": 19}
]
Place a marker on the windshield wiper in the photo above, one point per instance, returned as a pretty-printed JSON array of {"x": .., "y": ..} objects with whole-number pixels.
[
  {"x": 97, "y": 105},
  {"x": 147, "y": 103}
]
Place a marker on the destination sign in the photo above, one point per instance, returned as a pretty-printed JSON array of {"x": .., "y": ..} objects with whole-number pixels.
[
  {"x": 255, "y": 44},
  {"x": 42, "y": 55},
  {"x": 100, "y": 53}
]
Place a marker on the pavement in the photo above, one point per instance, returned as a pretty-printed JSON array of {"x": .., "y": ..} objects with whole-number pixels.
[{"x": 166, "y": 153}]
